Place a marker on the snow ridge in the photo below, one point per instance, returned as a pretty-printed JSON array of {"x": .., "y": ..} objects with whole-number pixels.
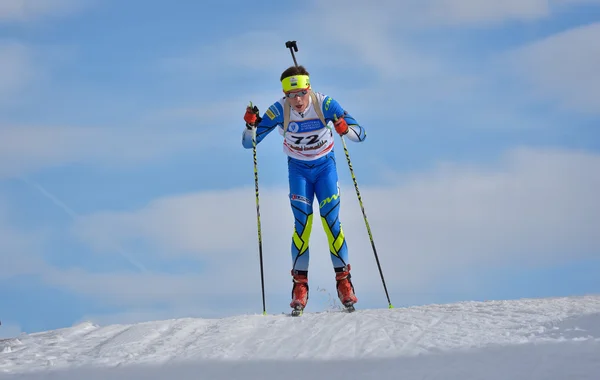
[{"x": 328, "y": 336}]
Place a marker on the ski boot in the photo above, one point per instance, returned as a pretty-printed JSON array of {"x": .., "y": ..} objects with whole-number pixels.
[
  {"x": 299, "y": 292},
  {"x": 345, "y": 288}
]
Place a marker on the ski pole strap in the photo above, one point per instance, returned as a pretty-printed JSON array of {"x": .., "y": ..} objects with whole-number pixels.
[
  {"x": 318, "y": 108},
  {"x": 286, "y": 116}
]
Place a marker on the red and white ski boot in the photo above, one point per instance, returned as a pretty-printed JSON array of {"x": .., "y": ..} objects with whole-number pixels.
[
  {"x": 299, "y": 292},
  {"x": 345, "y": 288}
]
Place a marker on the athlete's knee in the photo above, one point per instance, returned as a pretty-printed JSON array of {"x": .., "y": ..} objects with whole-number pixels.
[
  {"x": 331, "y": 220},
  {"x": 303, "y": 222}
]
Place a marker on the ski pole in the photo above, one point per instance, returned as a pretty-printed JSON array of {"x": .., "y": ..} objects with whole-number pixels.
[
  {"x": 366, "y": 221},
  {"x": 260, "y": 253}
]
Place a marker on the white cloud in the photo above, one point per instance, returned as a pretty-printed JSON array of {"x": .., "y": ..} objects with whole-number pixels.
[
  {"x": 428, "y": 74},
  {"x": 27, "y": 10},
  {"x": 483, "y": 12},
  {"x": 563, "y": 68},
  {"x": 188, "y": 224},
  {"x": 409, "y": 58},
  {"x": 28, "y": 148},
  {"x": 133, "y": 289},
  {"x": 20, "y": 252},
  {"x": 534, "y": 208},
  {"x": 417, "y": 14},
  {"x": 255, "y": 50},
  {"x": 212, "y": 116},
  {"x": 206, "y": 292},
  {"x": 323, "y": 43},
  {"x": 394, "y": 44},
  {"x": 16, "y": 69},
  {"x": 374, "y": 41},
  {"x": 387, "y": 38}
]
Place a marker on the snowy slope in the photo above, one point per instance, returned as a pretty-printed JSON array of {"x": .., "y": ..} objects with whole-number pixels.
[{"x": 529, "y": 339}]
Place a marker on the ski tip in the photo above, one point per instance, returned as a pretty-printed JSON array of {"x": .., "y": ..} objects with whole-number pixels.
[{"x": 390, "y": 306}]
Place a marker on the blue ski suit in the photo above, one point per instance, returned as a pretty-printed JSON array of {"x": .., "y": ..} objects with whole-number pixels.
[{"x": 311, "y": 171}]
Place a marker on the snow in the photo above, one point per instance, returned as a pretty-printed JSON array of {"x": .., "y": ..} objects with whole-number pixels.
[{"x": 551, "y": 338}]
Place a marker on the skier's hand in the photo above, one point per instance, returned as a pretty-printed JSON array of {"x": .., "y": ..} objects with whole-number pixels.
[
  {"x": 251, "y": 116},
  {"x": 341, "y": 127}
]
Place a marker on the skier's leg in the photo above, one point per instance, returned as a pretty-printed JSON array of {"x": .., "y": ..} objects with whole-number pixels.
[
  {"x": 328, "y": 195},
  {"x": 301, "y": 198}
]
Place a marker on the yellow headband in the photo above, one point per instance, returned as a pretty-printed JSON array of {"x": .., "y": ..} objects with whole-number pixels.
[{"x": 296, "y": 82}]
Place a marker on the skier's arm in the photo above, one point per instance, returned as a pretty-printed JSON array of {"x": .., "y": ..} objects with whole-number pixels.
[
  {"x": 333, "y": 111},
  {"x": 270, "y": 120}
]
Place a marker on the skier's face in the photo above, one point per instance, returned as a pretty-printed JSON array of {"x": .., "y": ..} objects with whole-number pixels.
[{"x": 298, "y": 99}]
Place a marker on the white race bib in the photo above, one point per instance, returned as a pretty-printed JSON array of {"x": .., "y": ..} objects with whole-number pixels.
[{"x": 306, "y": 137}]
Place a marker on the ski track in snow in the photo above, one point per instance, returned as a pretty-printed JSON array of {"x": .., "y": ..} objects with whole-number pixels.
[{"x": 325, "y": 336}]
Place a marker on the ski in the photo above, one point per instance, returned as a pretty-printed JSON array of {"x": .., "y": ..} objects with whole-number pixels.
[{"x": 298, "y": 311}]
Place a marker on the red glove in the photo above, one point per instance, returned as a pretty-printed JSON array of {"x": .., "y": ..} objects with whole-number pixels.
[
  {"x": 341, "y": 126},
  {"x": 251, "y": 115}
]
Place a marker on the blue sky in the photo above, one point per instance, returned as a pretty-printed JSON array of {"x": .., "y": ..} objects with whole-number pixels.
[{"x": 125, "y": 193}]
